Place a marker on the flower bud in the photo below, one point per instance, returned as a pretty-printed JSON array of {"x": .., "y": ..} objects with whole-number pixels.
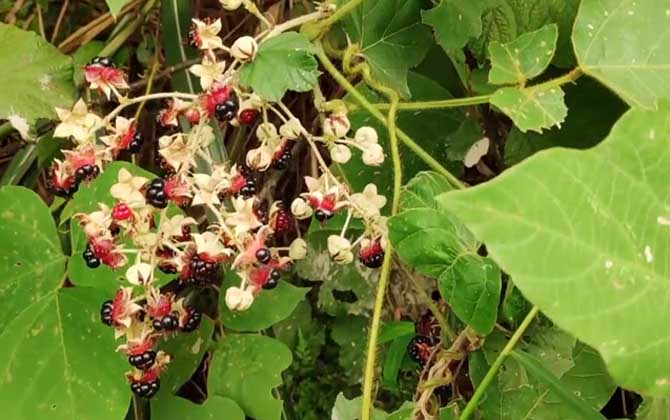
[
  {"x": 298, "y": 249},
  {"x": 230, "y": 4},
  {"x": 373, "y": 155},
  {"x": 260, "y": 158},
  {"x": 266, "y": 131},
  {"x": 238, "y": 299},
  {"x": 365, "y": 136},
  {"x": 336, "y": 125},
  {"x": 340, "y": 153},
  {"x": 244, "y": 49},
  {"x": 291, "y": 129},
  {"x": 300, "y": 209},
  {"x": 339, "y": 249}
]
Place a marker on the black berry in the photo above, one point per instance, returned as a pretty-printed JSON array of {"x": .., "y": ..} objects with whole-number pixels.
[
  {"x": 203, "y": 271},
  {"x": 283, "y": 160},
  {"x": 193, "y": 320},
  {"x": 374, "y": 260},
  {"x": 102, "y": 61},
  {"x": 249, "y": 188},
  {"x": 226, "y": 110},
  {"x": 146, "y": 389},
  {"x": 170, "y": 322},
  {"x": 86, "y": 172},
  {"x": 142, "y": 361},
  {"x": 273, "y": 280},
  {"x": 263, "y": 255},
  {"x": 167, "y": 268},
  {"x": 136, "y": 143},
  {"x": 91, "y": 260},
  {"x": 420, "y": 348},
  {"x": 322, "y": 215},
  {"x": 156, "y": 195},
  {"x": 106, "y": 312}
]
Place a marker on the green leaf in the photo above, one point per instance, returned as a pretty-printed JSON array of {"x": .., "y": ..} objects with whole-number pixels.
[
  {"x": 514, "y": 306},
  {"x": 461, "y": 140},
  {"x": 215, "y": 407},
  {"x": 568, "y": 236},
  {"x": 300, "y": 325},
  {"x": 532, "y": 108},
  {"x": 283, "y": 63},
  {"x": 270, "y": 307},
  {"x": 564, "y": 394},
  {"x": 455, "y": 22},
  {"x": 393, "y": 359},
  {"x": 524, "y": 58},
  {"x": 619, "y": 42},
  {"x": 391, "y": 37},
  {"x": 351, "y": 334},
  {"x": 176, "y": 18},
  {"x": 35, "y": 76},
  {"x": 32, "y": 263},
  {"x": 433, "y": 242},
  {"x": 394, "y": 329},
  {"x": 654, "y": 409},
  {"x": 450, "y": 412},
  {"x": 82, "y": 57},
  {"x": 593, "y": 111},
  {"x": 59, "y": 361},
  {"x": 246, "y": 368},
  {"x": 517, "y": 392},
  {"x": 115, "y": 6},
  {"x": 346, "y": 409}
]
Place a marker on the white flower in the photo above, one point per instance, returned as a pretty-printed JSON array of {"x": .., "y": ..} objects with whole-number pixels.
[
  {"x": 373, "y": 154},
  {"x": 476, "y": 152},
  {"x": 230, "y": 4},
  {"x": 340, "y": 153},
  {"x": 266, "y": 131},
  {"x": 140, "y": 274},
  {"x": 340, "y": 249},
  {"x": 239, "y": 299},
  {"x": 243, "y": 219},
  {"x": 260, "y": 158},
  {"x": 78, "y": 123},
  {"x": 298, "y": 249},
  {"x": 209, "y": 72},
  {"x": 369, "y": 202},
  {"x": 173, "y": 227},
  {"x": 365, "y": 136},
  {"x": 207, "y": 34},
  {"x": 301, "y": 209},
  {"x": 210, "y": 244},
  {"x": 291, "y": 129},
  {"x": 127, "y": 189},
  {"x": 175, "y": 150},
  {"x": 244, "y": 48},
  {"x": 21, "y": 125},
  {"x": 336, "y": 125}
]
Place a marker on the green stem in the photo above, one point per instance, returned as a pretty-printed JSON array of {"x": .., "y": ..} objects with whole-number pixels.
[
  {"x": 340, "y": 13},
  {"x": 123, "y": 35},
  {"x": 365, "y": 104},
  {"x": 493, "y": 370}
]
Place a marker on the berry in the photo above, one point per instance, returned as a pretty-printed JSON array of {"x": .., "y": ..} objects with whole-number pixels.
[
  {"x": 106, "y": 312},
  {"x": 249, "y": 188},
  {"x": 263, "y": 255},
  {"x": 102, "y": 61},
  {"x": 226, "y": 110},
  {"x": 91, "y": 260},
  {"x": 193, "y": 320},
  {"x": 121, "y": 211},
  {"x": 142, "y": 361},
  {"x": 146, "y": 389},
  {"x": 372, "y": 256},
  {"x": 155, "y": 194},
  {"x": 202, "y": 270},
  {"x": 419, "y": 349},
  {"x": 247, "y": 116},
  {"x": 167, "y": 323},
  {"x": 86, "y": 172},
  {"x": 136, "y": 143},
  {"x": 64, "y": 192},
  {"x": 282, "y": 221},
  {"x": 273, "y": 280},
  {"x": 322, "y": 215},
  {"x": 282, "y": 158},
  {"x": 167, "y": 268}
]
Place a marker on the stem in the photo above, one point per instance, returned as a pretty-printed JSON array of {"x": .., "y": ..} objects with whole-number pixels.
[
  {"x": 137, "y": 412},
  {"x": 123, "y": 36},
  {"x": 340, "y": 13},
  {"x": 493, "y": 370},
  {"x": 407, "y": 140},
  {"x": 290, "y": 24},
  {"x": 143, "y": 98},
  {"x": 370, "y": 362}
]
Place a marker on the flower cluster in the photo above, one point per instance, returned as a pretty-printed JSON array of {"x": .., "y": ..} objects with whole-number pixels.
[{"x": 143, "y": 233}]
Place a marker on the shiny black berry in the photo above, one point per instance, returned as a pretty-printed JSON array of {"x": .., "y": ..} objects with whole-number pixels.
[
  {"x": 193, "y": 321},
  {"x": 273, "y": 280},
  {"x": 156, "y": 195},
  {"x": 86, "y": 172},
  {"x": 373, "y": 261},
  {"x": 142, "y": 361},
  {"x": 63, "y": 192},
  {"x": 102, "y": 61},
  {"x": 203, "y": 271},
  {"x": 146, "y": 389},
  {"x": 136, "y": 144},
  {"x": 283, "y": 160},
  {"x": 106, "y": 312},
  {"x": 420, "y": 348},
  {"x": 91, "y": 260},
  {"x": 263, "y": 255},
  {"x": 249, "y": 188},
  {"x": 226, "y": 110},
  {"x": 322, "y": 215},
  {"x": 170, "y": 322}
]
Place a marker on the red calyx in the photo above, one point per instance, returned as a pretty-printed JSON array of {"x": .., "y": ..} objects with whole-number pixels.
[
  {"x": 121, "y": 211},
  {"x": 193, "y": 115},
  {"x": 141, "y": 348},
  {"x": 177, "y": 191},
  {"x": 247, "y": 116},
  {"x": 162, "y": 307},
  {"x": 237, "y": 183},
  {"x": 214, "y": 97},
  {"x": 260, "y": 275},
  {"x": 128, "y": 137},
  {"x": 375, "y": 248}
]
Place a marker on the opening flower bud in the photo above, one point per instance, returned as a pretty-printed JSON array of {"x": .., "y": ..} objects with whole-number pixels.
[
  {"x": 244, "y": 49},
  {"x": 336, "y": 125},
  {"x": 340, "y": 153},
  {"x": 301, "y": 209},
  {"x": 373, "y": 155}
]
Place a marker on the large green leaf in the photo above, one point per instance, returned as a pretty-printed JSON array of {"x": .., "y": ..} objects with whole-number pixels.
[
  {"x": 591, "y": 251},
  {"x": 216, "y": 407},
  {"x": 351, "y": 334},
  {"x": 269, "y": 308},
  {"x": 524, "y": 58},
  {"x": 176, "y": 18},
  {"x": 391, "y": 37},
  {"x": 59, "y": 361},
  {"x": 432, "y": 241},
  {"x": 517, "y": 393},
  {"x": 246, "y": 368},
  {"x": 623, "y": 44},
  {"x": 455, "y": 22},
  {"x": 35, "y": 76},
  {"x": 283, "y": 63},
  {"x": 532, "y": 108},
  {"x": 32, "y": 263},
  {"x": 654, "y": 409}
]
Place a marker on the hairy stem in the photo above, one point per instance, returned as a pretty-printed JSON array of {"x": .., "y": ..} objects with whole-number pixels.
[
  {"x": 365, "y": 104},
  {"x": 493, "y": 370}
]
